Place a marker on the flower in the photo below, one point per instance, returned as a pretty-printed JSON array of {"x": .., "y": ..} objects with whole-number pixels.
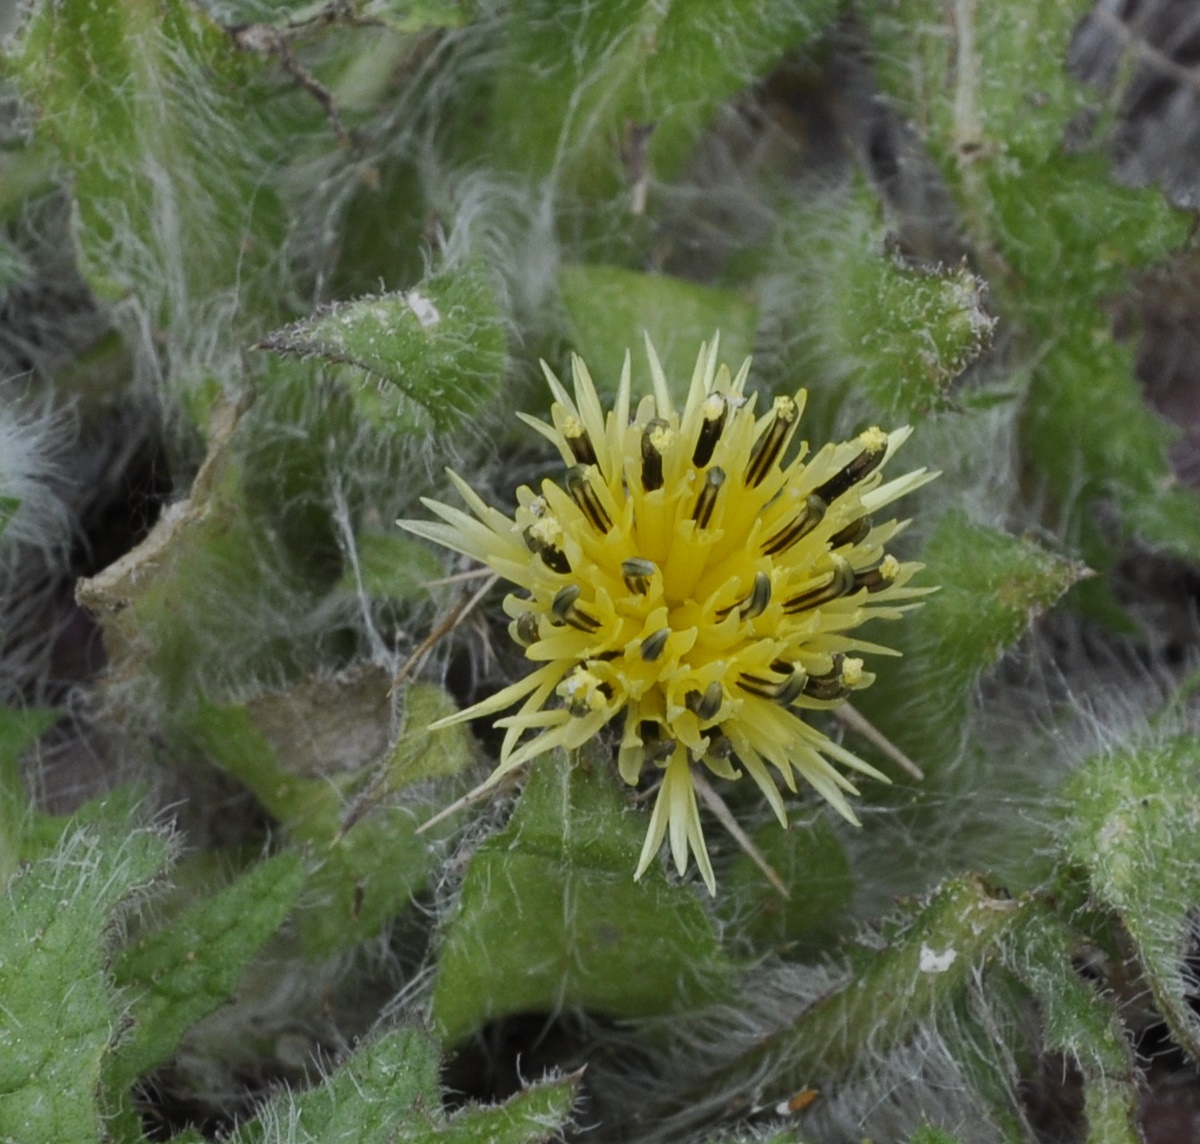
[{"x": 684, "y": 574}]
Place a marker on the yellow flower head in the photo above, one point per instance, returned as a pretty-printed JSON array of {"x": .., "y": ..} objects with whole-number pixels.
[{"x": 686, "y": 575}]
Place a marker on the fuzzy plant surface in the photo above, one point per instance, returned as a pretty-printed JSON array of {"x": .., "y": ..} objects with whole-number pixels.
[{"x": 619, "y": 571}]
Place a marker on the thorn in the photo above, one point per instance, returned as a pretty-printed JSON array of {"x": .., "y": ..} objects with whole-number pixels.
[
  {"x": 478, "y": 794},
  {"x": 858, "y": 723},
  {"x": 456, "y": 616},
  {"x": 724, "y": 816}
]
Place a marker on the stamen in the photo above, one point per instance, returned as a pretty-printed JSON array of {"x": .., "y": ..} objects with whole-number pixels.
[
  {"x": 542, "y": 537},
  {"x": 854, "y": 533},
  {"x": 655, "y": 745},
  {"x": 720, "y": 747},
  {"x": 875, "y": 444},
  {"x": 832, "y": 685},
  {"x": 841, "y": 581},
  {"x": 586, "y": 498},
  {"x": 782, "y": 691},
  {"x": 653, "y": 645},
  {"x": 567, "y": 610},
  {"x": 705, "y": 706},
  {"x": 810, "y": 516},
  {"x": 583, "y": 692},
  {"x": 877, "y": 578},
  {"x": 753, "y": 604},
  {"x": 555, "y": 559},
  {"x": 655, "y": 439},
  {"x": 760, "y": 596},
  {"x": 637, "y": 573},
  {"x": 773, "y": 440},
  {"x": 578, "y": 441},
  {"x": 716, "y": 409},
  {"x": 525, "y": 629},
  {"x": 707, "y": 500}
]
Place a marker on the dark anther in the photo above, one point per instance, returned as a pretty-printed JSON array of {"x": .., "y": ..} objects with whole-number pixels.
[
  {"x": 655, "y": 745},
  {"x": 716, "y": 409},
  {"x": 841, "y": 581},
  {"x": 719, "y": 747},
  {"x": 652, "y": 470},
  {"x": 810, "y": 516},
  {"x": 862, "y": 466},
  {"x": 760, "y": 596},
  {"x": 829, "y": 686},
  {"x": 772, "y": 441},
  {"x": 585, "y": 496},
  {"x": 653, "y": 644},
  {"x": 707, "y": 500},
  {"x": 554, "y": 558},
  {"x": 579, "y": 442},
  {"x": 783, "y": 691},
  {"x": 637, "y": 573},
  {"x": 877, "y": 578},
  {"x": 578, "y": 704},
  {"x": 854, "y": 533},
  {"x": 753, "y": 604},
  {"x": 526, "y": 629},
  {"x": 566, "y": 609},
  {"x": 705, "y": 706}
]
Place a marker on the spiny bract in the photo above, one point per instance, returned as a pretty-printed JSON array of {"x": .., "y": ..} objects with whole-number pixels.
[{"x": 683, "y": 574}]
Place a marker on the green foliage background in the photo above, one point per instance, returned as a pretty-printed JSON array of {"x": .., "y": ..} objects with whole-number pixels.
[{"x": 320, "y": 249}]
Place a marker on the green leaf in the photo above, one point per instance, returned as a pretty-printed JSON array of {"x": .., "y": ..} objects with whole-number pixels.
[
  {"x": 8, "y": 509},
  {"x": 928, "y": 1134},
  {"x": 991, "y": 588},
  {"x": 369, "y": 858},
  {"x": 18, "y": 729},
  {"x": 814, "y": 867},
  {"x": 536, "y": 1114},
  {"x": 391, "y": 566},
  {"x": 182, "y": 604},
  {"x": 388, "y": 1090},
  {"x": 1055, "y": 237},
  {"x": 610, "y": 309},
  {"x": 59, "y": 1013},
  {"x": 440, "y": 345},
  {"x": 1134, "y": 831},
  {"x": 379, "y": 1091},
  {"x": 178, "y": 974},
  {"x": 863, "y": 317},
  {"x": 924, "y": 970},
  {"x": 550, "y": 916},
  {"x": 410, "y": 16},
  {"x": 161, "y": 125},
  {"x": 1079, "y": 1024},
  {"x": 606, "y": 66}
]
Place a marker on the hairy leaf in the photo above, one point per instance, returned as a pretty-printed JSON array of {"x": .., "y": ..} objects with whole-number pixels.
[
  {"x": 439, "y": 344},
  {"x": 369, "y": 858},
  {"x": 178, "y": 974},
  {"x": 158, "y": 121},
  {"x": 18, "y": 818},
  {"x": 923, "y": 971},
  {"x": 609, "y": 71},
  {"x": 58, "y": 1011},
  {"x": 611, "y": 310},
  {"x": 991, "y": 588},
  {"x": 550, "y": 916},
  {"x": 1135, "y": 830},
  {"x": 1078, "y": 1023},
  {"x": 388, "y": 1090},
  {"x": 1056, "y": 238}
]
